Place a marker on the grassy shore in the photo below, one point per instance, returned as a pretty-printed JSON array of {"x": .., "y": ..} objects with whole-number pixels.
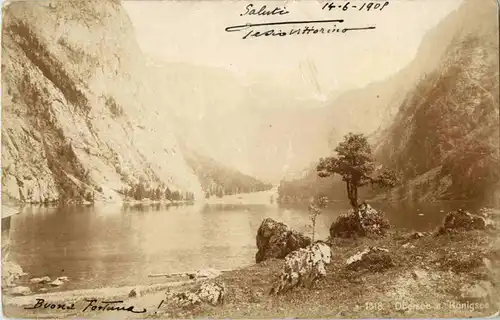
[
  {"x": 444, "y": 265},
  {"x": 429, "y": 278}
]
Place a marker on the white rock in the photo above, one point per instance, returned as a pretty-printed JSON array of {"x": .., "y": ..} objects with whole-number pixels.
[
  {"x": 212, "y": 293},
  {"x": 42, "y": 280},
  {"x": 489, "y": 265},
  {"x": 417, "y": 235},
  {"x": 304, "y": 266},
  {"x": 419, "y": 274},
  {"x": 481, "y": 290},
  {"x": 207, "y": 273},
  {"x": 56, "y": 283},
  {"x": 64, "y": 278},
  {"x": 183, "y": 299},
  {"x": 20, "y": 291},
  {"x": 358, "y": 256}
]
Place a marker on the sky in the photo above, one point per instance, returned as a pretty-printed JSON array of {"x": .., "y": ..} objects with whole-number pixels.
[{"x": 194, "y": 32}]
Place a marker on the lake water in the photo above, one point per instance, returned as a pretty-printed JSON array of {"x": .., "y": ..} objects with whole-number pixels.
[{"x": 121, "y": 245}]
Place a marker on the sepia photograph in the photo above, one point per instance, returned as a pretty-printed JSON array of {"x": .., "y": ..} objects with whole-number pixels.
[{"x": 250, "y": 159}]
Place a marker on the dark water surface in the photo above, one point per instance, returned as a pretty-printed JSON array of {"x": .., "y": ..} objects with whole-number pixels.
[{"x": 121, "y": 245}]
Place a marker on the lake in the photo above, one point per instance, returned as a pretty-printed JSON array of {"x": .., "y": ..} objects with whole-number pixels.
[{"x": 97, "y": 246}]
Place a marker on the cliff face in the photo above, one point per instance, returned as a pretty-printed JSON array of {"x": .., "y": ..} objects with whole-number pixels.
[
  {"x": 438, "y": 117},
  {"x": 80, "y": 112},
  {"x": 445, "y": 137}
]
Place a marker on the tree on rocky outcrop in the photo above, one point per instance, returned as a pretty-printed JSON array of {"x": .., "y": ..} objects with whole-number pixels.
[
  {"x": 365, "y": 221},
  {"x": 355, "y": 164}
]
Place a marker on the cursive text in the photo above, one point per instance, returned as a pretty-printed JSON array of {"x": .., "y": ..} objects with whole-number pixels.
[
  {"x": 94, "y": 305},
  {"x": 264, "y": 11}
]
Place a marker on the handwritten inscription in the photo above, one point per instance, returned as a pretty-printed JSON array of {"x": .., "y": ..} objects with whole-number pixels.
[
  {"x": 359, "y": 6},
  {"x": 264, "y": 11},
  {"x": 308, "y": 29},
  {"x": 302, "y": 27},
  {"x": 90, "y": 305}
]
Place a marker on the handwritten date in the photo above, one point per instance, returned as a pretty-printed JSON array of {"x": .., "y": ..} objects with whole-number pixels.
[{"x": 359, "y": 6}]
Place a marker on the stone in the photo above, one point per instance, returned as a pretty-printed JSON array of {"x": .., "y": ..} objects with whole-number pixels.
[
  {"x": 372, "y": 258},
  {"x": 209, "y": 292},
  {"x": 419, "y": 274},
  {"x": 11, "y": 272},
  {"x": 43, "y": 280},
  {"x": 303, "y": 267},
  {"x": 20, "y": 291},
  {"x": 64, "y": 278},
  {"x": 212, "y": 293},
  {"x": 276, "y": 240},
  {"x": 417, "y": 235},
  {"x": 134, "y": 293},
  {"x": 56, "y": 283},
  {"x": 365, "y": 221},
  {"x": 478, "y": 291},
  {"x": 489, "y": 265},
  {"x": 205, "y": 273},
  {"x": 462, "y": 220},
  {"x": 183, "y": 299}
]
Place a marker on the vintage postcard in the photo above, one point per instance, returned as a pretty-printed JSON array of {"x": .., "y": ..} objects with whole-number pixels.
[{"x": 250, "y": 159}]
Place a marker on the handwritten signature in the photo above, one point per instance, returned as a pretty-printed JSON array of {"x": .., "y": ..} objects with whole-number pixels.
[
  {"x": 91, "y": 305},
  {"x": 309, "y": 29}
]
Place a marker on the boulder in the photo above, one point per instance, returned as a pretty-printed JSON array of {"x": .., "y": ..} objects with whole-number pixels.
[
  {"x": 419, "y": 274},
  {"x": 372, "y": 258},
  {"x": 134, "y": 293},
  {"x": 11, "y": 272},
  {"x": 43, "y": 280},
  {"x": 417, "y": 235},
  {"x": 477, "y": 291},
  {"x": 63, "y": 279},
  {"x": 56, "y": 283},
  {"x": 183, "y": 299},
  {"x": 212, "y": 293},
  {"x": 365, "y": 221},
  {"x": 303, "y": 267},
  {"x": 20, "y": 291},
  {"x": 209, "y": 292},
  {"x": 276, "y": 240},
  {"x": 462, "y": 220}
]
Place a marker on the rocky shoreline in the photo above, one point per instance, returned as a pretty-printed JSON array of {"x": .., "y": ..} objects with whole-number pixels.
[{"x": 453, "y": 272}]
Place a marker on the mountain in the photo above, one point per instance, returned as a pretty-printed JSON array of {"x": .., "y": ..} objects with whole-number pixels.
[
  {"x": 219, "y": 180},
  {"x": 436, "y": 120},
  {"x": 445, "y": 137},
  {"x": 260, "y": 131},
  {"x": 80, "y": 111}
]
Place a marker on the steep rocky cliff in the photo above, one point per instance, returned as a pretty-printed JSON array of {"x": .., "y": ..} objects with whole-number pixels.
[
  {"x": 80, "y": 114},
  {"x": 445, "y": 137},
  {"x": 438, "y": 117}
]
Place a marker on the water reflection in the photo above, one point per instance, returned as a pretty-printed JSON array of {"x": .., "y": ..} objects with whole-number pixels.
[{"x": 122, "y": 245}]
